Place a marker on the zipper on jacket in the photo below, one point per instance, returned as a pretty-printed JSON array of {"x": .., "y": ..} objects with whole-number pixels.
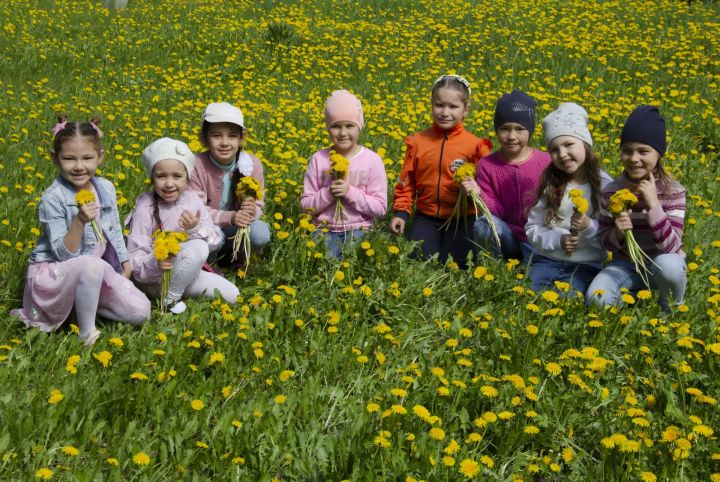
[{"x": 442, "y": 148}]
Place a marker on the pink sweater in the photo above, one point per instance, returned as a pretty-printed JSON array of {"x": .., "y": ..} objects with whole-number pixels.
[
  {"x": 509, "y": 190},
  {"x": 207, "y": 181},
  {"x": 142, "y": 224},
  {"x": 366, "y": 199}
]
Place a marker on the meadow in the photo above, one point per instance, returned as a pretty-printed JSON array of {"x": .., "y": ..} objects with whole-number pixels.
[{"x": 376, "y": 367}]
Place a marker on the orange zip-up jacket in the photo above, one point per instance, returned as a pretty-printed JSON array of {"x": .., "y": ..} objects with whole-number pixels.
[{"x": 426, "y": 179}]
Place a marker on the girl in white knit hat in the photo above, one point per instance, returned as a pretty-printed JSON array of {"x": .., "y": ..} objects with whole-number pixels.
[
  {"x": 562, "y": 224},
  {"x": 170, "y": 206}
]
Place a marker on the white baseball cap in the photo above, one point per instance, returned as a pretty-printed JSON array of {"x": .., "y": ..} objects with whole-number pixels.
[{"x": 223, "y": 112}]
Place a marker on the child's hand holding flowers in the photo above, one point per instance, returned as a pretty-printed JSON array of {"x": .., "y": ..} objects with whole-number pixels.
[
  {"x": 465, "y": 177},
  {"x": 244, "y": 216},
  {"x": 87, "y": 212},
  {"x": 166, "y": 244},
  {"x": 618, "y": 206},
  {"x": 579, "y": 221},
  {"x": 247, "y": 191},
  {"x": 339, "y": 170},
  {"x": 339, "y": 188}
]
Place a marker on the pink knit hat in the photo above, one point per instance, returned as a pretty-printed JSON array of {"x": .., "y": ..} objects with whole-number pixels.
[{"x": 343, "y": 106}]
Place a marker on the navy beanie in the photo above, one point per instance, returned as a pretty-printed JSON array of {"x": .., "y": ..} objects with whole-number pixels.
[
  {"x": 647, "y": 126},
  {"x": 516, "y": 107}
]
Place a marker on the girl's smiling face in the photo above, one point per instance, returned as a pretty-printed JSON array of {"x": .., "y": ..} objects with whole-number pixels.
[
  {"x": 568, "y": 155},
  {"x": 224, "y": 140},
  {"x": 344, "y": 136},
  {"x": 514, "y": 139},
  {"x": 170, "y": 179},
  {"x": 449, "y": 107},
  {"x": 78, "y": 160},
  {"x": 638, "y": 159}
]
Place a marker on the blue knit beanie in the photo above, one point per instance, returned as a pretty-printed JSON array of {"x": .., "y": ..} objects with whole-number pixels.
[
  {"x": 516, "y": 107},
  {"x": 647, "y": 126}
]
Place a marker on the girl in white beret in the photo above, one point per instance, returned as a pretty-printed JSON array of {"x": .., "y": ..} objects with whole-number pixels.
[{"x": 170, "y": 206}]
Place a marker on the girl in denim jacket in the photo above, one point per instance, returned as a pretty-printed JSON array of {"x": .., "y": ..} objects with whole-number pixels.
[{"x": 75, "y": 265}]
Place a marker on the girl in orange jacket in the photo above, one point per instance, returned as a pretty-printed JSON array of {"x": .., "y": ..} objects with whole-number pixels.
[{"x": 426, "y": 180}]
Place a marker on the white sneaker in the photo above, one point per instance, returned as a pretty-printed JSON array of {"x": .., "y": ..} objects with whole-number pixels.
[
  {"x": 176, "y": 307},
  {"x": 91, "y": 338}
]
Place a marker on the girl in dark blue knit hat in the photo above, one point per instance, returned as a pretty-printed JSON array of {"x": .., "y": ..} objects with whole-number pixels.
[{"x": 656, "y": 219}]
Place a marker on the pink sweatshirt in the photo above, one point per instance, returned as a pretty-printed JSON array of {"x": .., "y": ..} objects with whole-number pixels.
[
  {"x": 142, "y": 225},
  {"x": 207, "y": 181},
  {"x": 366, "y": 199},
  {"x": 509, "y": 190}
]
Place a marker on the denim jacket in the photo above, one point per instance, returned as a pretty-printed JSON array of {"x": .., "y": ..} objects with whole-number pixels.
[{"x": 56, "y": 211}]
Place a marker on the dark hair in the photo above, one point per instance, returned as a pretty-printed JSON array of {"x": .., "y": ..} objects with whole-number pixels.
[
  {"x": 156, "y": 209},
  {"x": 666, "y": 180},
  {"x": 206, "y": 126},
  {"x": 553, "y": 182},
  {"x": 450, "y": 82},
  {"x": 76, "y": 129}
]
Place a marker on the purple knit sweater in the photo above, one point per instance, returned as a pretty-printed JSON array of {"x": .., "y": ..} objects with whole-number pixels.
[{"x": 509, "y": 190}]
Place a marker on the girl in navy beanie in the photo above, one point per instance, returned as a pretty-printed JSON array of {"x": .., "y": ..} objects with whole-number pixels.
[{"x": 656, "y": 219}]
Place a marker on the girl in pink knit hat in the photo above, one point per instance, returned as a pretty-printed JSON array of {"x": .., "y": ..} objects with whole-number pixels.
[{"x": 345, "y": 186}]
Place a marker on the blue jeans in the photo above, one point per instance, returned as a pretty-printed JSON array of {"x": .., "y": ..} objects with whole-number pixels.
[
  {"x": 454, "y": 240},
  {"x": 336, "y": 241},
  {"x": 259, "y": 238},
  {"x": 510, "y": 247},
  {"x": 668, "y": 277},
  {"x": 545, "y": 271}
]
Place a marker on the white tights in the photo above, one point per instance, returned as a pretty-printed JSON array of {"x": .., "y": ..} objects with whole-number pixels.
[
  {"x": 190, "y": 281},
  {"x": 87, "y": 296},
  {"x": 114, "y": 298}
]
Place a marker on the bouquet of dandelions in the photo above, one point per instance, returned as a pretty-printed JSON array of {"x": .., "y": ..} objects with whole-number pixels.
[
  {"x": 247, "y": 187},
  {"x": 462, "y": 173},
  {"x": 620, "y": 202},
  {"x": 580, "y": 206},
  {"x": 166, "y": 244},
  {"x": 83, "y": 197},
  {"x": 339, "y": 169}
]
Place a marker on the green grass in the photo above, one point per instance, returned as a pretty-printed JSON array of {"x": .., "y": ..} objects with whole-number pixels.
[{"x": 149, "y": 70}]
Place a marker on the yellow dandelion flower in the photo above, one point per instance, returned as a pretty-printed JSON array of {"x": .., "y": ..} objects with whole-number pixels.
[
  {"x": 489, "y": 391},
  {"x": 44, "y": 473},
  {"x": 487, "y": 461},
  {"x": 437, "y": 433},
  {"x": 216, "y": 357},
  {"x": 141, "y": 458},
  {"x": 103, "y": 357},
  {"x": 55, "y": 396},
  {"x": 70, "y": 450},
  {"x": 469, "y": 468},
  {"x": 197, "y": 405}
]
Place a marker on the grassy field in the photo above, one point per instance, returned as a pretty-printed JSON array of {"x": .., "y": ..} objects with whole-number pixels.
[{"x": 375, "y": 368}]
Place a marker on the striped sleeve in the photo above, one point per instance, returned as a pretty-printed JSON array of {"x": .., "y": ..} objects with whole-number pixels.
[{"x": 666, "y": 221}]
